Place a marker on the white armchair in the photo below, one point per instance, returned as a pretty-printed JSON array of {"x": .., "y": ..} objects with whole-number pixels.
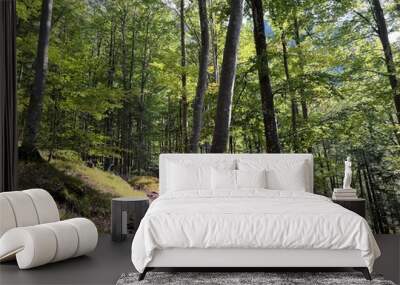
[{"x": 31, "y": 230}]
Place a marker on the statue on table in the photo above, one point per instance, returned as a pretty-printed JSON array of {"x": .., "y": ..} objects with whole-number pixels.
[{"x": 347, "y": 174}]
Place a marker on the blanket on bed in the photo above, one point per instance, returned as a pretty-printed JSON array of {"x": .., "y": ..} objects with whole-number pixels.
[{"x": 252, "y": 218}]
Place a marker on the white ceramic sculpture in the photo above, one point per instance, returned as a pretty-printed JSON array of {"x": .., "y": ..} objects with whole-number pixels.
[{"x": 347, "y": 174}]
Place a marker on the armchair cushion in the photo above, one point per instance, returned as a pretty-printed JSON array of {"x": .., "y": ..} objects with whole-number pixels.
[{"x": 37, "y": 245}]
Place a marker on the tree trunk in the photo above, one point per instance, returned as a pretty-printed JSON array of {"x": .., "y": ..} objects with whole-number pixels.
[
  {"x": 228, "y": 72},
  {"x": 387, "y": 50},
  {"x": 303, "y": 101},
  {"x": 328, "y": 166},
  {"x": 320, "y": 161},
  {"x": 267, "y": 97},
  {"x": 360, "y": 183},
  {"x": 202, "y": 78},
  {"x": 28, "y": 149},
  {"x": 108, "y": 161},
  {"x": 214, "y": 46},
  {"x": 54, "y": 123},
  {"x": 377, "y": 203},
  {"x": 124, "y": 51},
  {"x": 368, "y": 177},
  {"x": 132, "y": 63},
  {"x": 142, "y": 108},
  {"x": 124, "y": 115},
  {"x": 293, "y": 104},
  {"x": 372, "y": 206},
  {"x": 168, "y": 125},
  {"x": 184, "y": 102},
  {"x": 131, "y": 143},
  {"x": 111, "y": 56}
]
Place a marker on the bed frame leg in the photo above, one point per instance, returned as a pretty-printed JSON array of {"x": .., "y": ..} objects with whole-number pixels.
[
  {"x": 364, "y": 271},
  {"x": 143, "y": 274}
]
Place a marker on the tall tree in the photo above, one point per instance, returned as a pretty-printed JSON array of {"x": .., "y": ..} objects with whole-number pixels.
[
  {"x": 184, "y": 102},
  {"x": 301, "y": 65},
  {"x": 214, "y": 44},
  {"x": 125, "y": 115},
  {"x": 202, "y": 77},
  {"x": 267, "y": 97},
  {"x": 227, "y": 80},
  {"x": 108, "y": 121},
  {"x": 28, "y": 149},
  {"x": 293, "y": 103},
  {"x": 142, "y": 107},
  {"x": 387, "y": 50}
]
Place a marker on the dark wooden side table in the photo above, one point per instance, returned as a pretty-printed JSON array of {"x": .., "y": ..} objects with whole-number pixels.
[
  {"x": 126, "y": 210},
  {"x": 356, "y": 205}
]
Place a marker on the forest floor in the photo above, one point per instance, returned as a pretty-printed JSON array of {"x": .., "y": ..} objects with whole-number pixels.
[
  {"x": 106, "y": 182},
  {"x": 80, "y": 190}
]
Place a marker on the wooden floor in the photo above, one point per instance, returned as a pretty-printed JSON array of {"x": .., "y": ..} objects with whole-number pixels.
[{"x": 110, "y": 260}]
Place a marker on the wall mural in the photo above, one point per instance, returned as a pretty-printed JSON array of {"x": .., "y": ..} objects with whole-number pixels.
[{"x": 104, "y": 87}]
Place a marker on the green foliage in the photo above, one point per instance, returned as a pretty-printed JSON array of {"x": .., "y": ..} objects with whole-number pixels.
[
  {"x": 113, "y": 90},
  {"x": 147, "y": 183},
  {"x": 102, "y": 181}
]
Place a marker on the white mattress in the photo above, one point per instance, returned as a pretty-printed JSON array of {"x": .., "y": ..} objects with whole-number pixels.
[{"x": 250, "y": 219}]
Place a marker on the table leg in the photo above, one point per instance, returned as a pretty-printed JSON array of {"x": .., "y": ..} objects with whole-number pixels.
[{"x": 116, "y": 221}]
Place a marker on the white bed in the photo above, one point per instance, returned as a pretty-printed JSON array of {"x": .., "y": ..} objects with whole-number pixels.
[{"x": 202, "y": 222}]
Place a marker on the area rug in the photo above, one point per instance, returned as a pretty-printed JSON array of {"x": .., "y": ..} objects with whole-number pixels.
[{"x": 243, "y": 278}]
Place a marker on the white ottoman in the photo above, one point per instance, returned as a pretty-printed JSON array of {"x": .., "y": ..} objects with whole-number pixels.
[{"x": 31, "y": 232}]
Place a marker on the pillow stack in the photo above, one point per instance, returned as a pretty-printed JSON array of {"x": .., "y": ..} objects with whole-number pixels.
[
  {"x": 238, "y": 174},
  {"x": 290, "y": 175},
  {"x": 238, "y": 179},
  {"x": 187, "y": 176}
]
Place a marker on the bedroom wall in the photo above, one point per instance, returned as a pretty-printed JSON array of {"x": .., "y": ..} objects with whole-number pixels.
[{"x": 115, "y": 97}]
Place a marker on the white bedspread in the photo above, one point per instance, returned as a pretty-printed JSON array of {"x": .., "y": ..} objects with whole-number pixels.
[{"x": 250, "y": 219}]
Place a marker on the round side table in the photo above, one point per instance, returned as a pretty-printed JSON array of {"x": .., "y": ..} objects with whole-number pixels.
[{"x": 124, "y": 208}]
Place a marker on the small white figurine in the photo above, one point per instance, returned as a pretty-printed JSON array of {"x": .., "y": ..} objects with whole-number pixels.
[{"x": 347, "y": 174}]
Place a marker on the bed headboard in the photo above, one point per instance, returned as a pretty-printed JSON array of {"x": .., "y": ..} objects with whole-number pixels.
[{"x": 213, "y": 159}]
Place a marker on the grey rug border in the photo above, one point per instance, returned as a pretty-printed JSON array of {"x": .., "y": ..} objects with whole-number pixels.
[{"x": 298, "y": 277}]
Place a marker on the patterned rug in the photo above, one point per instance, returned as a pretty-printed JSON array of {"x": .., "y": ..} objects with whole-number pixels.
[{"x": 243, "y": 278}]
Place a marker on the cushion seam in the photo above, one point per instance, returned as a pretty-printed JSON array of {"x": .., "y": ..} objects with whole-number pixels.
[
  {"x": 77, "y": 233},
  {"x": 34, "y": 206},
  {"x": 55, "y": 235},
  {"x": 13, "y": 210}
]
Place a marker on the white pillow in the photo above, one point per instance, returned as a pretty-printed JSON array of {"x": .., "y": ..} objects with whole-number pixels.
[
  {"x": 286, "y": 174},
  {"x": 224, "y": 179},
  {"x": 290, "y": 177},
  {"x": 181, "y": 177},
  {"x": 251, "y": 178}
]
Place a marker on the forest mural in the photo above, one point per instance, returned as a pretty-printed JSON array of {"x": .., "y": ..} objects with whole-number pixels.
[{"x": 105, "y": 86}]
